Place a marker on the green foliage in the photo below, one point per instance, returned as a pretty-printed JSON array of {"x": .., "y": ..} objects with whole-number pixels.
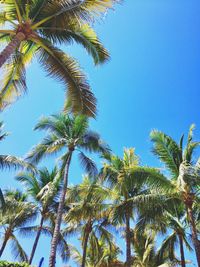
[
  {"x": 46, "y": 24},
  {"x": 13, "y": 264},
  {"x": 123, "y": 195}
]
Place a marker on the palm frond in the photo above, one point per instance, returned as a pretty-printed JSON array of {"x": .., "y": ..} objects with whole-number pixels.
[
  {"x": 59, "y": 13},
  {"x": 8, "y": 161},
  {"x": 81, "y": 34},
  {"x": 17, "y": 250},
  {"x": 167, "y": 150},
  {"x": 49, "y": 146},
  {"x": 63, "y": 249},
  {"x": 28, "y": 231},
  {"x": 65, "y": 69},
  {"x": 93, "y": 143},
  {"x": 167, "y": 248},
  {"x": 88, "y": 164},
  {"x": 14, "y": 83},
  {"x": 54, "y": 123}
]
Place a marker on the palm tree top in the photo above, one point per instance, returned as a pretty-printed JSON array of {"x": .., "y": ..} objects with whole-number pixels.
[
  {"x": 72, "y": 133},
  {"x": 173, "y": 153},
  {"x": 40, "y": 25}
]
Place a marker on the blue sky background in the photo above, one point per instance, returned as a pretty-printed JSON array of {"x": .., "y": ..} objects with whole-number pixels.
[{"x": 151, "y": 81}]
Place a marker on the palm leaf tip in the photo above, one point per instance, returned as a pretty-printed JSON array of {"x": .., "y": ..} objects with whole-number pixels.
[
  {"x": 88, "y": 164},
  {"x": 65, "y": 69}
]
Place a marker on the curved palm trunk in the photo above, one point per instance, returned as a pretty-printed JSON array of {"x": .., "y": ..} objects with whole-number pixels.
[
  {"x": 128, "y": 241},
  {"x": 182, "y": 251},
  {"x": 11, "y": 47},
  {"x": 5, "y": 240},
  {"x": 85, "y": 243},
  {"x": 54, "y": 242},
  {"x": 195, "y": 240},
  {"x": 36, "y": 240}
]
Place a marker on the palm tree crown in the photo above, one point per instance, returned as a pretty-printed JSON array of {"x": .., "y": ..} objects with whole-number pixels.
[
  {"x": 34, "y": 28},
  {"x": 88, "y": 214},
  {"x": 14, "y": 215}
]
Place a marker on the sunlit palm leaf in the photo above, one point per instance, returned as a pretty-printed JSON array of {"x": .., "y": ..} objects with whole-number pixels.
[{"x": 167, "y": 151}]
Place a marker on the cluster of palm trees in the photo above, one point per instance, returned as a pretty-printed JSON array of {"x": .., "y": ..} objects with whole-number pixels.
[
  {"x": 121, "y": 200},
  {"x": 156, "y": 213}
]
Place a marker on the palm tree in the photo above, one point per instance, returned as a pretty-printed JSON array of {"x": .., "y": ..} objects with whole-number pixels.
[
  {"x": 43, "y": 188},
  {"x": 72, "y": 134},
  {"x": 179, "y": 162},
  {"x": 172, "y": 224},
  {"x": 15, "y": 214},
  {"x": 145, "y": 252},
  {"x": 129, "y": 184},
  {"x": 88, "y": 213},
  {"x": 33, "y": 28},
  {"x": 178, "y": 235},
  {"x": 99, "y": 254}
]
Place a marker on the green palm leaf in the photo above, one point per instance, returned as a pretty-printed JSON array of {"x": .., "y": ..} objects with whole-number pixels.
[{"x": 167, "y": 151}]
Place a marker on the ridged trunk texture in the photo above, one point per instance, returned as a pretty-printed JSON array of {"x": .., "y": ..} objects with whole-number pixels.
[
  {"x": 11, "y": 47},
  {"x": 54, "y": 242},
  {"x": 195, "y": 240},
  {"x": 85, "y": 243},
  {"x": 128, "y": 241},
  {"x": 182, "y": 251},
  {"x": 36, "y": 240}
]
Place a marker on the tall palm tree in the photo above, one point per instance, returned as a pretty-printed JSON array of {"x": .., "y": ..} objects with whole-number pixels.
[
  {"x": 33, "y": 28},
  {"x": 179, "y": 162},
  {"x": 88, "y": 213},
  {"x": 70, "y": 134},
  {"x": 129, "y": 183},
  {"x": 43, "y": 187},
  {"x": 15, "y": 214}
]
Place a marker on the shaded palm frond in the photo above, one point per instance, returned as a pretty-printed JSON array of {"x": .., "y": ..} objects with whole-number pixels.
[
  {"x": 88, "y": 164},
  {"x": 65, "y": 69},
  {"x": 61, "y": 13},
  {"x": 81, "y": 34},
  {"x": 8, "y": 161},
  {"x": 17, "y": 250},
  {"x": 49, "y": 146},
  {"x": 93, "y": 143}
]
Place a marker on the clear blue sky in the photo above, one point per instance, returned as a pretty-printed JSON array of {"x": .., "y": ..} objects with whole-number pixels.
[{"x": 152, "y": 81}]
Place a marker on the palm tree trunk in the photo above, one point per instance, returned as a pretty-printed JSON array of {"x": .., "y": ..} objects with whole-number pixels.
[
  {"x": 182, "y": 251},
  {"x": 128, "y": 241},
  {"x": 85, "y": 243},
  {"x": 195, "y": 240},
  {"x": 36, "y": 240},
  {"x": 54, "y": 242},
  {"x": 5, "y": 240},
  {"x": 11, "y": 47}
]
